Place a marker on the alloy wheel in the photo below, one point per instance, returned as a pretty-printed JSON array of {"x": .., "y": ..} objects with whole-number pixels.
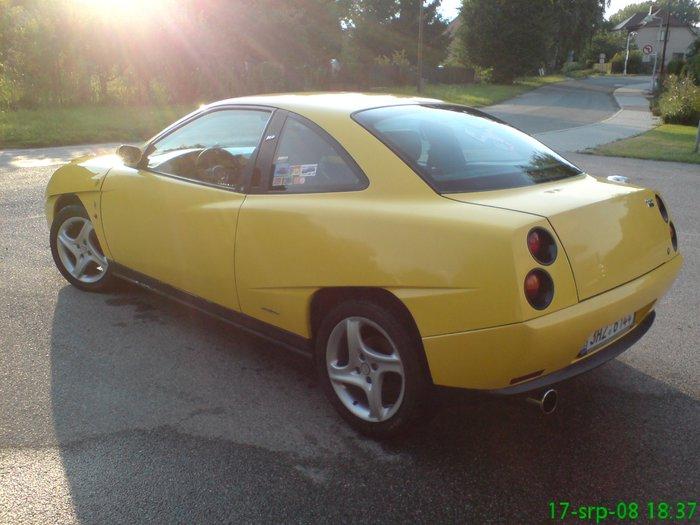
[
  {"x": 80, "y": 251},
  {"x": 365, "y": 369}
]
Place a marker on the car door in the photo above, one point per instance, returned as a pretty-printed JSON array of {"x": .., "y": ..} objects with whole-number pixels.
[
  {"x": 293, "y": 233},
  {"x": 174, "y": 220}
]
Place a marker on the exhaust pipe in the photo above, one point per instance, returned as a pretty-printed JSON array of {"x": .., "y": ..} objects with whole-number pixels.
[{"x": 547, "y": 401}]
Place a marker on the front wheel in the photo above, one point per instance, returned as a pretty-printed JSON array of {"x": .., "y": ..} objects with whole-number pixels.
[
  {"x": 369, "y": 365},
  {"x": 77, "y": 251}
]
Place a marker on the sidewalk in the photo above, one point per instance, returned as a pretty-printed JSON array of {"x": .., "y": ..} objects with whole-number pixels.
[{"x": 633, "y": 118}]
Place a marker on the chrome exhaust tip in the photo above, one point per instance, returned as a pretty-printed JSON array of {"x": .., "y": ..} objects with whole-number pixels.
[{"x": 547, "y": 401}]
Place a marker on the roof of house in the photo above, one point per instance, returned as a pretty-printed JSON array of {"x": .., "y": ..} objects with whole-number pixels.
[
  {"x": 637, "y": 20},
  {"x": 454, "y": 26}
]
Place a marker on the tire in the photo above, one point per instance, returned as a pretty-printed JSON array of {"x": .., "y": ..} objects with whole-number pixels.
[
  {"x": 77, "y": 251},
  {"x": 383, "y": 352}
]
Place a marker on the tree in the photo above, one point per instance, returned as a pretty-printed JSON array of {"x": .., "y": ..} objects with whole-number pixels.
[
  {"x": 606, "y": 42},
  {"x": 385, "y": 27},
  {"x": 511, "y": 36},
  {"x": 685, "y": 10},
  {"x": 574, "y": 23},
  {"x": 517, "y": 37},
  {"x": 66, "y": 52}
]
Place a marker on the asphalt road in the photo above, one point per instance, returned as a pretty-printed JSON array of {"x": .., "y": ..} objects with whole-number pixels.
[
  {"x": 563, "y": 105},
  {"x": 128, "y": 408}
]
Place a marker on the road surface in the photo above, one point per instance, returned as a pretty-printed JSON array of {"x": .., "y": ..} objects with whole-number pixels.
[{"x": 563, "y": 105}]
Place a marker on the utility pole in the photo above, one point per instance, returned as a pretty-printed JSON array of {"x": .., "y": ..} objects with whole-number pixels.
[
  {"x": 663, "y": 49},
  {"x": 420, "y": 47}
]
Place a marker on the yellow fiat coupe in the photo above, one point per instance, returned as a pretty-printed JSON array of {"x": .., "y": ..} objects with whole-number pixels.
[{"x": 403, "y": 242}]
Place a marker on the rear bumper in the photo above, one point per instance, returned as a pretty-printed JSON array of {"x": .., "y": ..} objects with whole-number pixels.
[
  {"x": 526, "y": 356},
  {"x": 583, "y": 365}
]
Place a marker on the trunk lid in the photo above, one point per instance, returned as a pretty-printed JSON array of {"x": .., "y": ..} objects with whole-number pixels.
[{"x": 612, "y": 233}]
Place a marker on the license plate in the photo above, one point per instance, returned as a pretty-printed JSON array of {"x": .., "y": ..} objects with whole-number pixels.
[{"x": 606, "y": 333}]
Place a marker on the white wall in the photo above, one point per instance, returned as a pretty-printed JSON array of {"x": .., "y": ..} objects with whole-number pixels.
[{"x": 679, "y": 39}]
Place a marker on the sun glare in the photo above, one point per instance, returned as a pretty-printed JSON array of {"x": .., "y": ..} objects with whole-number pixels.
[
  {"x": 107, "y": 5},
  {"x": 122, "y": 8}
]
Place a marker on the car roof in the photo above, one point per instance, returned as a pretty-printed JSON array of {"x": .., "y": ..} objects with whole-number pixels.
[{"x": 333, "y": 102}]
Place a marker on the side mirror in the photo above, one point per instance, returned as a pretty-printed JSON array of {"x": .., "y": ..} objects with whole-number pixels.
[{"x": 131, "y": 155}]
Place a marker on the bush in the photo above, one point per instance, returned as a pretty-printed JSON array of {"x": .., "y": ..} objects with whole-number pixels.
[
  {"x": 484, "y": 75},
  {"x": 634, "y": 63},
  {"x": 617, "y": 63},
  {"x": 680, "y": 101},
  {"x": 583, "y": 73},
  {"x": 9, "y": 92},
  {"x": 570, "y": 67},
  {"x": 675, "y": 66},
  {"x": 692, "y": 68}
]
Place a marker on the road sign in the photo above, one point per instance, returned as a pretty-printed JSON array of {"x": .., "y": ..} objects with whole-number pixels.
[{"x": 648, "y": 49}]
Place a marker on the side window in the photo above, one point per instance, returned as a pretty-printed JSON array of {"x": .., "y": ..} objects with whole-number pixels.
[
  {"x": 306, "y": 161},
  {"x": 215, "y": 148}
]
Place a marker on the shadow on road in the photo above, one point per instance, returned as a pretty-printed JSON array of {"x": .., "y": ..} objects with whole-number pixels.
[{"x": 164, "y": 414}]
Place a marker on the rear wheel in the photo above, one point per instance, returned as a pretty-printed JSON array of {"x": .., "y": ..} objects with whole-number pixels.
[
  {"x": 77, "y": 251},
  {"x": 369, "y": 365}
]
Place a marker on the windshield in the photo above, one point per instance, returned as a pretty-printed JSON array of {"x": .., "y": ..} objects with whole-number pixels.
[{"x": 458, "y": 150}]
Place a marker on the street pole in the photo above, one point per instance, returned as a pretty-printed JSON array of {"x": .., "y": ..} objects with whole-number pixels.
[
  {"x": 420, "y": 47},
  {"x": 627, "y": 54},
  {"x": 697, "y": 139},
  {"x": 663, "y": 52},
  {"x": 646, "y": 20}
]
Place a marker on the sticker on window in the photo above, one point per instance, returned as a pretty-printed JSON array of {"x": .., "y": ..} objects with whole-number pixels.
[
  {"x": 286, "y": 174},
  {"x": 309, "y": 170}
]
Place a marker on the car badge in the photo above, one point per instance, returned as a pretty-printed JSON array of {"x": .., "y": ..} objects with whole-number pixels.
[
  {"x": 650, "y": 202},
  {"x": 618, "y": 178}
]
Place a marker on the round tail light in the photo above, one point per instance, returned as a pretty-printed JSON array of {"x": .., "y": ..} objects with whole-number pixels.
[
  {"x": 674, "y": 238},
  {"x": 539, "y": 289},
  {"x": 662, "y": 208},
  {"x": 542, "y": 246}
]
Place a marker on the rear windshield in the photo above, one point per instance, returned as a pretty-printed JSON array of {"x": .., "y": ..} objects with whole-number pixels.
[{"x": 456, "y": 149}]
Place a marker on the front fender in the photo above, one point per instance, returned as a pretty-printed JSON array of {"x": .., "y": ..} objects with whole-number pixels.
[{"x": 83, "y": 179}]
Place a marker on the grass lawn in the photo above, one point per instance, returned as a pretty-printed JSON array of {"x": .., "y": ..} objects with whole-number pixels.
[
  {"x": 95, "y": 124},
  {"x": 667, "y": 142},
  {"x": 84, "y": 125},
  {"x": 476, "y": 94}
]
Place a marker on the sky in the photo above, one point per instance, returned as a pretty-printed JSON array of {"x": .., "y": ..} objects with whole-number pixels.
[{"x": 449, "y": 8}]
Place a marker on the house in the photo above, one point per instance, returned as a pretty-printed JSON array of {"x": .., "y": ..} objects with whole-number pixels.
[{"x": 650, "y": 28}]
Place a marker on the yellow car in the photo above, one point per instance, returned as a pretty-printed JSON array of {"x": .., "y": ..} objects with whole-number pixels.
[{"x": 404, "y": 242}]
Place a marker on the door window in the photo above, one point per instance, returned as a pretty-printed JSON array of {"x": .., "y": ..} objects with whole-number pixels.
[
  {"x": 216, "y": 148},
  {"x": 308, "y": 161}
]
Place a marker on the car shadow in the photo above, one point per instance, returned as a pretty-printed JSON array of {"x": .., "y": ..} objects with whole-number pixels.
[{"x": 162, "y": 413}]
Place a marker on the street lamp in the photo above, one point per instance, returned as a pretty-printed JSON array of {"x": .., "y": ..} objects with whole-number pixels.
[{"x": 627, "y": 55}]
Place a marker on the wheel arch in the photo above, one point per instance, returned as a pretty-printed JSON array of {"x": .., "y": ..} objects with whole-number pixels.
[
  {"x": 325, "y": 299},
  {"x": 89, "y": 201},
  {"x": 65, "y": 200}
]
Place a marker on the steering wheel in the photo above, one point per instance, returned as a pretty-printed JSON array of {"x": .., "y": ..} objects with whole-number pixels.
[{"x": 219, "y": 166}]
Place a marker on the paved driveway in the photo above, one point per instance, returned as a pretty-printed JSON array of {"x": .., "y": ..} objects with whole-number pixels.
[
  {"x": 128, "y": 408},
  {"x": 563, "y": 105}
]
